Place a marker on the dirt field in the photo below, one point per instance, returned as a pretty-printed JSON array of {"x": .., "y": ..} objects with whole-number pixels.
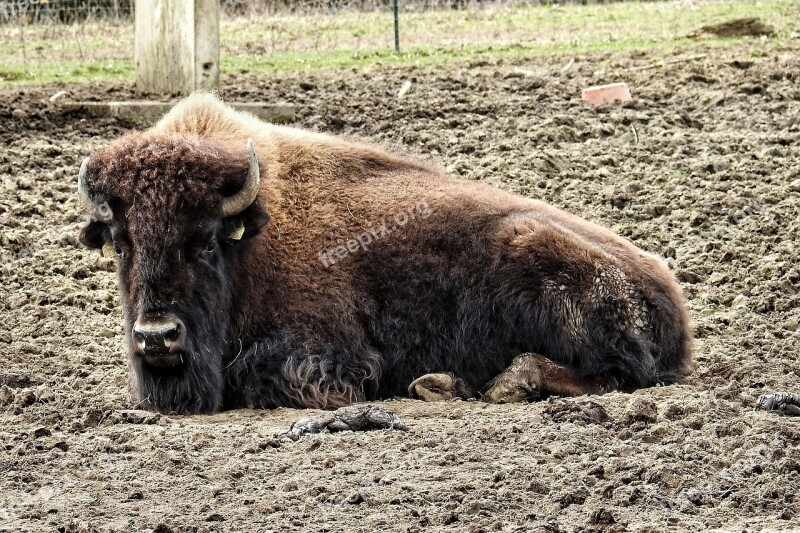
[{"x": 704, "y": 168}]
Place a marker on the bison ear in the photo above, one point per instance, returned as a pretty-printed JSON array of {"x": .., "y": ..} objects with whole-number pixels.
[
  {"x": 246, "y": 224},
  {"x": 94, "y": 234}
]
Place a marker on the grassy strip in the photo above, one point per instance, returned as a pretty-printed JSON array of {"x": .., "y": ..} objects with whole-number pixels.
[
  {"x": 291, "y": 43},
  {"x": 70, "y": 71},
  {"x": 425, "y": 56}
]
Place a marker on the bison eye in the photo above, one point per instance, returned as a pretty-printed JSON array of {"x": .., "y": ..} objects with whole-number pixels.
[{"x": 209, "y": 248}]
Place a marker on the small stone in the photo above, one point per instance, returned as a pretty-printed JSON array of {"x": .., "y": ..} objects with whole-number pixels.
[{"x": 19, "y": 114}]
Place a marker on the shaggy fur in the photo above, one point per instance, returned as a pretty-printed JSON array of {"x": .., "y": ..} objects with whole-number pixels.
[{"x": 475, "y": 277}]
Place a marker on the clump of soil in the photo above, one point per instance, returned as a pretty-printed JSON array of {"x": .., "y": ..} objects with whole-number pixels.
[
  {"x": 709, "y": 180},
  {"x": 744, "y": 27}
]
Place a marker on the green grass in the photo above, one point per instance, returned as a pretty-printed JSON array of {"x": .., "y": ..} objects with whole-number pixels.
[
  {"x": 280, "y": 43},
  {"x": 427, "y": 55},
  {"x": 66, "y": 71}
]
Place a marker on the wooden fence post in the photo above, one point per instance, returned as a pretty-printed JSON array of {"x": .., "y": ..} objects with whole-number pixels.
[{"x": 176, "y": 46}]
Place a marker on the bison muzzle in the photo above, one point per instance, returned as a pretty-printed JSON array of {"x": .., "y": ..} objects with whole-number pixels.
[{"x": 264, "y": 266}]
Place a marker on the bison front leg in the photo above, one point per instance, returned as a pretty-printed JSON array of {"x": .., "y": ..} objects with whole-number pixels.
[{"x": 531, "y": 376}]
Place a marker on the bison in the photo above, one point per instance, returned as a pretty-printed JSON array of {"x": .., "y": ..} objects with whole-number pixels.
[{"x": 266, "y": 266}]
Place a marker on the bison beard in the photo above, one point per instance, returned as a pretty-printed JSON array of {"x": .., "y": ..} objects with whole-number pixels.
[
  {"x": 503, "y": 292},
  {"x": 197, "y": 385}
]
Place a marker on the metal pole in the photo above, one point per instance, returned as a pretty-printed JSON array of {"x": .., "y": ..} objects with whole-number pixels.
[{"x": 396, "y": 8}]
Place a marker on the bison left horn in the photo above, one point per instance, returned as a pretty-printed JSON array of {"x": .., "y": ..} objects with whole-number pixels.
[
  {"x": 102, "y": 211},
  {"x": 233, "y": 205}
]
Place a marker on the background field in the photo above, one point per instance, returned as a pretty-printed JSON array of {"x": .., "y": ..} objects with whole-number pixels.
[
  {"x": 101, "y": 49},
  {"x": 702, "y": 168}
]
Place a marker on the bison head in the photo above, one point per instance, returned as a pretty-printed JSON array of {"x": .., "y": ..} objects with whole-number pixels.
[{"x": 178, "y": 214}]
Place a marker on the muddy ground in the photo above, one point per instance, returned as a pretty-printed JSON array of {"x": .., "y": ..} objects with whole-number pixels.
[{"x": 703, "y": 168}]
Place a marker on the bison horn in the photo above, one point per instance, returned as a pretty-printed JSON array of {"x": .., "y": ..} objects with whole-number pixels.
[
  {"x": 233, "y": 205},
  {"x": 103, "y": 211},
  {"x": 82, "y": 190}
]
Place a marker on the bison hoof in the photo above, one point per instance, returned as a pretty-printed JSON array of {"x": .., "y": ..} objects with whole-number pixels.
[
  {"x": 439, "y": 388},
  {"x": 520, "y": 381},
  {"x": 510, "y": 392},
  {"x": 784, "y": 402}
]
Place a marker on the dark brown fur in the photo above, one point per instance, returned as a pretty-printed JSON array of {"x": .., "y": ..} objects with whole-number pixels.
[{"x": 474, "y": 278}]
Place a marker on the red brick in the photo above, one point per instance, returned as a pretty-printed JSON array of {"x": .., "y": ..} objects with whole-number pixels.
[{"x": 603, "y": 94}]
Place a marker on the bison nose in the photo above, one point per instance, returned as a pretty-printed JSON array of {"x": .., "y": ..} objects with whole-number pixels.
[{"x": 159, "y": 338}]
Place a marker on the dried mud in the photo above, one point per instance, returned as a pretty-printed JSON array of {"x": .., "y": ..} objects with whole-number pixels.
[{"x": 703, "y": 168}]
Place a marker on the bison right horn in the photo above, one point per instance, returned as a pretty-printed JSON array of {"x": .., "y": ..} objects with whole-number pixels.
[
  {"x": 235, "y": 204},
  {"x": 102, "y": 211},
  {"x": 83, "y": 191}
]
